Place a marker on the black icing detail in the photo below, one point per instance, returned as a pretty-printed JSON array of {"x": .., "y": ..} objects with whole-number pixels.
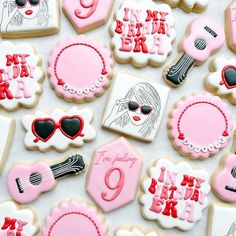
[
  {"x": 35, "y": 179},
  {"x": 230, "y": 188},
  {"x": 230, "y": 76},
  {"x": 233, "y": 172},
  {"x": 71, "y": 126},
  {"x": 20, "y": 3},
  {"x": 44, "y": 128},
  {"x": 133, "y": 105},
  {"x": 178, "y": 72},
  {"x": 19, "y": 185},
  {"x": 210, "y": 31}
]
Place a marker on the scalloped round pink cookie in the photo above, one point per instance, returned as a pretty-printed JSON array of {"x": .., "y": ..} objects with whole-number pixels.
[
  {"x": 74, "y": 218},
  {"x": 200, "y": 125},
  {"x": 80, "y": 69}
]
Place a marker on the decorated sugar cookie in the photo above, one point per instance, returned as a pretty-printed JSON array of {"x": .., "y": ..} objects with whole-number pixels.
[
  {"x": 114, "y": 175},
  {"x": 7, "y": 127},
  {"x": 135, "y": 109},
  {"x": 126, "y": 230},
  {"x": 26, "y": 182},
  {"x": 142, "y": 33},
  {"x": 217, "y": 214},
  {"x": 230, "y": 24},
  {"x": 75, "y": 218},
  {"x": 80, "y": 69},
  {"x": 174, "y": 195},
  {"x": 21, "y": 76},
  {"x": 203, "y": 37},
  {"x": 17, "y": 221},
  {"x": 87, "y": 15},
  {"x": 58, "y": 130},
  {"x": 189, "y": 5},
  {"x": 199, "y": 126},
  {"x": 223, "y": 180},
  {"x": 28, "y": 18},
  {"x": 222, "y": 78}
]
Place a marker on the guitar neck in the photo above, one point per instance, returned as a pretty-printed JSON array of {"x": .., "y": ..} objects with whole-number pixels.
[{"x": 71, "y": 166}]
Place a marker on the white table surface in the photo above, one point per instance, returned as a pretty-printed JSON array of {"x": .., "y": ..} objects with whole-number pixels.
[{"x": 74, "y": 187}]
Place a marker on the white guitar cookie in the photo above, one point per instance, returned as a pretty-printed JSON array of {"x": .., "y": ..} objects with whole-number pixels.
[
  {"x": 21, "y": 76},
  {"x": 189, "y": 5},
  {"x": 222, "y": 78},
  {"x": 58, "y": 130},
  {"x": 142, "y": 33},
  {"x": 174, "y": 195},
  {"x": 29, "y": 18},
  {"x": 15, "y": 221}
]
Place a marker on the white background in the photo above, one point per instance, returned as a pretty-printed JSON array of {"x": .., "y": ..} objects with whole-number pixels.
[{"x": 74, "y": 187}]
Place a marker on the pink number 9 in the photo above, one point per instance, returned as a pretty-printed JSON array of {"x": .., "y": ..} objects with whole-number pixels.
[
  {"x": 92, "y": 6},
  {"x": 117, "y": 186}
]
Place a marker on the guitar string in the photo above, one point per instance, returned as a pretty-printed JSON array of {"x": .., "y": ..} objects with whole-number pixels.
[
  {"x": 74, "y": 160},
  {"x": 187, "y": 59},
  {"x": 29, "y": 185},
  {"x": 55, "y": 173}
]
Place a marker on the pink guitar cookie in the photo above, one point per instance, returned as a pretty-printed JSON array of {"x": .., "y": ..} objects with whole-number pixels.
[
  {"x": 199, "y": 125},
  {"x": 224, "y": 178},
  {"x": 86, "y": 15},
  {"x": 204, "y": 37},
  {"x": 15, "y": 221},
  {"x": 75, "y": 218},
  {"x": 114, "y": 175},
  {"x": 26, "y": 183},
  {"x": 142, "y": 33},
  {"x": 230, "y": 21},
  {"x": 80, "y": 69},
  {"x": 174, "y": 195}
]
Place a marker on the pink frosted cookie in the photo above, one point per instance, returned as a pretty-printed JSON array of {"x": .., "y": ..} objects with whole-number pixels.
[
  {"x": 26, "y": 182},
  {"x": 204, "y": 37},
  {"x": 80, "y": 69},
  {"x": 114, "y": 175},
  {"x": 142, "y": 33},
  {"x": 230, "y": 25},
  {"x": 75, "y": 218},
  {"x": 87, "y": 15},
  {"x": 17, "y": 221},
  {"x": 222, "y": 78},
  {"x": 199, "y": 126},
  {"x": 174, "y": 195},
  {"x": 21, "y": 76}
]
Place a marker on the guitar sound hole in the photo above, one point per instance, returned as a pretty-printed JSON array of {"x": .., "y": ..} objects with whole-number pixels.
[
  {"x": 35, "y": 179},
  {"x": 200, "y": 44},
  {"x": 233, "y": 172}
]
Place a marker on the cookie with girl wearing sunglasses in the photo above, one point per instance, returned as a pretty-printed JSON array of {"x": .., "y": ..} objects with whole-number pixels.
[
  {"x": 29, "y": 18},
  {"x": 135, "y": 109}
]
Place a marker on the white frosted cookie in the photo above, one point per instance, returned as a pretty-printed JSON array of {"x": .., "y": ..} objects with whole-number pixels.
[
  {"x": 29, "y": 18},
  {"x": 174, "y": 195},
  {"x": 58, "y": 130},
  {"x": 222, "y": 78},
  {"x": 21, "y": 76},
  {"x": 221, "y": 220},
  {"x": 189, "y": 5},
  {"x": 17, "y": 221},
  {"x": 126, "y": 230},
  {"x": 135, "y": 109},
  {"x": 142, "y": 33},
  {"x": 7, "y": 127}
]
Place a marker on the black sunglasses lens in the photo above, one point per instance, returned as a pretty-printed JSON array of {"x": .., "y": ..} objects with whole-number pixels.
[
  {"x": 20, "y": 3},
  {"x": 34, "y": 2},
  {"x": 146, "y": 110},
  {"x": 133, "y": 106}
]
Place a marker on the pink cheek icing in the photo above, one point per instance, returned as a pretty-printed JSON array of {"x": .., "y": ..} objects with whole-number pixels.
[
  {"x": 74, "y": 218},
  {"x": 200, "y": 125},
  {"x": 224, "y": 182},
  {"x": 80, "y": 68}
]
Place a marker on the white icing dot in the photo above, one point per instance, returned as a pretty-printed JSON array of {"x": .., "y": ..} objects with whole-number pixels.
[
  {"x": 190, "y": 146},
  {"x": 204, "y": 149},
  {"x": 72, "y": 90},
  {"x": 210, "y": 148},
  {"x": 101, "y": 78},
  {"x": 66, "y": 87},
  {"x": 86, "y": 90},
  {"x": 222, "y": 139},
  {"x": 217, "y": 145},
  {"x": 92, "y": 89},
  {"x": 98, "y": 84},
  {"x": 186, "y": 142},
  {"x": 197, "y": 149},
  {"x": 79, "y": 92}
]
